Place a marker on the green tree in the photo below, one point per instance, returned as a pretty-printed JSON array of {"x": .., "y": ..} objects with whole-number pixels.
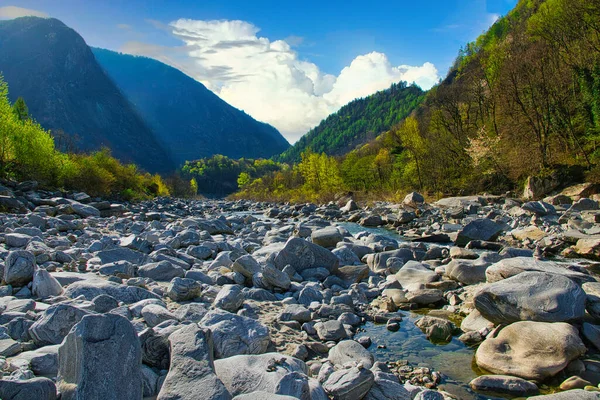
[{"x": 20, "y": 109}]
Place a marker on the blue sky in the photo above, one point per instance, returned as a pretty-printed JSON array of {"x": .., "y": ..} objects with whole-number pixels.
[{"x": 323, "y": 53}]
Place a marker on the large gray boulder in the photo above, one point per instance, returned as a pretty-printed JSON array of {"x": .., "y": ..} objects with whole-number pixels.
[
  {"x": 92, "y": 288},
  {"x": 349, "y": 384},
  {"x": 230, "y": 298},
  {"x": 327, "y": 237},
  {"x": 184, "y": 289},
  {"x": 377, "y": 262},
  {"x": 301, "y": 255},
  {"x": 350, "y": 351},
  {"x": 42, "y": 361},
  {"x": 415, "y": 275},
  {"x": 530, "y": 350},
  {"x": 513, "y": 266},
  {"x": 531, "y": 296},
  {"x": 45, "y": 285},
  {"x": 161, "y": 271},
  {"x": 247, "y": 266},
  {"x": 243, "y": 374},
  {"x": 101, "y": 359},
  {"x": 56, "y": 323},
  {"x": 480, "y": 229},
  {"x": 192, "y": 373},
  {"x": 19, "y": 267},
  {"x": 234, "y": 334},
  {"x": 121, "y": 254},
  {"x": 30, "y": 389}
]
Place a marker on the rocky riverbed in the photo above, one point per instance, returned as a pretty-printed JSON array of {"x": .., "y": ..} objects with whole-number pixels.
[{"x": 471, "y": 297}]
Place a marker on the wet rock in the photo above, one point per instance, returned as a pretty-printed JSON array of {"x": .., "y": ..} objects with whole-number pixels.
[
  {"x": 101, "y": 353},
  {"x": 436, "y": 329},
  {"x": 530, "y": 350},
  {"x": 191, "y": 374},
  {"x": 531, "y": 296},
  {"x": 503, "y": 385}
]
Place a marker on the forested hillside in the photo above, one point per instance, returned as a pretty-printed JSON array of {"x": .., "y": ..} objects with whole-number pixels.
[
  {"x": 522, "y": 100},
  {"x": 358, "y": 122}
]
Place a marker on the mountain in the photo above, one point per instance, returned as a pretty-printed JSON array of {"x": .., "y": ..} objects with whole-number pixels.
[
  {"x": 189, "y": 120},
  {"x": 52, "y": 68},
  {"x": 358, "y": 122}
]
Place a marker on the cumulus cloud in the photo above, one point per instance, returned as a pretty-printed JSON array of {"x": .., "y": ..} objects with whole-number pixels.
[
  {"x": 267, "y": 78},
  {"x": 11, "y": 12}
]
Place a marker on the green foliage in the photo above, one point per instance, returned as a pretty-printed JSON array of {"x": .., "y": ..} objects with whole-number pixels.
[
  {"x": 20, "y": 109},
  {"x": 358, "y": 122},
  {"x": 27, "y": 152},
  {"x": 220, "y": 175}
]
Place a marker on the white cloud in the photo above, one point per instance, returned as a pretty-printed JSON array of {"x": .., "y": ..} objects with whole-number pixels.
[
  {"x": 11, "y": 12},
  {"x": 268, "y": 80}
]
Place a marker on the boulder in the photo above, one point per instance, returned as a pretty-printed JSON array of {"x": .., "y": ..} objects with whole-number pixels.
[
  {"x": 234, "y": 334},
  {"x": 247, "y": 266},
  {"x": 184, "y": 289},
  {"x": 530, "y": 350},
  {"x": 415, "y": 275},
  {"x": 413, "y": 199},
  {"x": 100, "y": 354},
  {"x": 349, "y": 384},
  {"x": 503, "y": 385},
  {"x": 192, "y": 372},
  {"x": 35, "y": 388},
  {"x": 327, "y": 237},
  {"x": 350, "y": 351},
  {"x": 531, "y": 296},
  {"x": 230, "y": 298},
  {"x": 436, "y": 329},
  {"x": 588, "y": 248},
  {"x": 276, "y": 278},
  {"x": 468, "y": 272},
  {"x": 301, "y": 255},
  {"x": 161, "y": 271},
  {"x": 592, "y": 303},
  {"x": 55, "y": 323},
  {"x": 45, "y": 285},
  {"x": 92, "y": 288},
  {"x": 512, "y": 266},
  {"x": 480, "y": 229},
  {"x": 154, "y": 314},
  {"x": 19, "y": 267},
  {"x": 244, "y": 374},
  {"x": 330, "y": 330},
  {"x": 377, "y": 262}
]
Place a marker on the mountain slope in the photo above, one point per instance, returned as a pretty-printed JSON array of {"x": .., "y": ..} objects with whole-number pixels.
[
  {"x": 189, "y": 119},
  {"x": 52, "y": 68},
  {"x": 358, "y": 121}
]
